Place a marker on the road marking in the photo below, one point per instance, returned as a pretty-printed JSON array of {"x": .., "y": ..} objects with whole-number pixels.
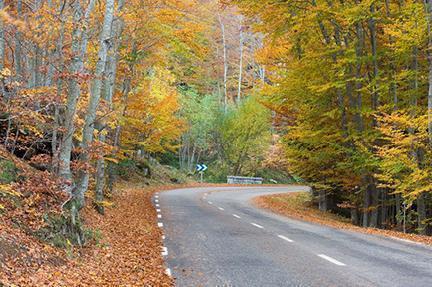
[
  {"x": 159, "y": 216},
  {"x": 332, "y": 260},
  {"x": 257, "y": 225},
  {"x": 158, "y": 210},
  {"x": 157, "y": 200},
  {"x": 163, "y": 237},
  {"x": 285, "y": 238},
  {"x": 164, "y": 251},
  {"x": 209, "y": 202},
  {"x": 220, "y": 208},
  {"x": 160, "y": 224},
  {"x": 168, "y": 272},
  {"x": 156, "y": 196},
  {"x": 157, "y": 205},
  {"x": 236, "y": 216}
]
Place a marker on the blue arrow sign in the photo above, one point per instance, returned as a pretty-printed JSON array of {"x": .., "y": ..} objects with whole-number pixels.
[{"x": 201, "y": 167}]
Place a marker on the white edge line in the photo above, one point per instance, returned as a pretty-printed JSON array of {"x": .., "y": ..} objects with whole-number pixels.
[
  {"x": 285, "y": 238},
  {"x": 332, "y": 260},
  {"x": 220, "y": 208},
  {"x": 406, "y": 240},
  {"x": 168, "y": 272},
  {"x": 257, "y": 225},
  {"x": 160, "y": 224},
  {"x": 236, "y": 216}
]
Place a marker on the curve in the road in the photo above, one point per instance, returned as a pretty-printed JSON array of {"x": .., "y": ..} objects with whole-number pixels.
[{"x": 216, "y": 237}]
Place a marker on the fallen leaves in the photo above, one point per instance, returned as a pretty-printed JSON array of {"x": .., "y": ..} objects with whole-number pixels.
[
  {"x": 128, "y": 253},
  {"x": 297, "y": 205}
]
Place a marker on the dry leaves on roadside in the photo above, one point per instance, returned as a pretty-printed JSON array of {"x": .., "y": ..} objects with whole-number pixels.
[
  {"x": 296, "y": 206},
  {"x": 127, "y": 255}
]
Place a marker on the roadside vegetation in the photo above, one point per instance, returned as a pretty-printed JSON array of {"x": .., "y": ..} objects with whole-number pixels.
[
  {"x": 350, "y": 84},
  {"x": 302, "y": 206},
  {"x": 337, "y": 96}
]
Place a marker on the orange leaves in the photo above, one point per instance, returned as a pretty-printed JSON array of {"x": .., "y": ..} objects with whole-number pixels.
[
  {"x": 128, "y": 252},
  {"x": 151, "y": 120}
]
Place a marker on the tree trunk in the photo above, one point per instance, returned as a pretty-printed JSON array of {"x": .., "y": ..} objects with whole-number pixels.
[
  {"x": 421, "y": 210},
  {"x": 240, "y": 63},
  {"x": 322, "y": 202},
  {"x": 2, "y": 43},
  {"x": 17, "y": 53},
  {"x": 76, "y": 67},
  {"x": 108, "y": 93},
  {"x": 100, "y": 175},
  {"x": 225, "y": 60},
  {"x": 73, "y": 95},
  {"x": 59, "y": 84},
  {"x": 428, "y": 4},
  {"x": 95, "y": 93}
]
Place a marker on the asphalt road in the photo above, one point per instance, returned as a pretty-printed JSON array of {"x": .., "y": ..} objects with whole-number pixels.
[{"x": 216, "y": 237}]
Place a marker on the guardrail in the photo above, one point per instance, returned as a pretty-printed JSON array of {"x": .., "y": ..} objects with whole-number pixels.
[{"x": 244, "y": 180}]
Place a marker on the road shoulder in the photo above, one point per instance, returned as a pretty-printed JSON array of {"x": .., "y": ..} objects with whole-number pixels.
[{"x": 296, "y": 205}]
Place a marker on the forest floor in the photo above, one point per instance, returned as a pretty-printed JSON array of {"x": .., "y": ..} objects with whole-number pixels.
[
  {"x": 299, "y": 206},
  {"x": 126, "y": 250}
]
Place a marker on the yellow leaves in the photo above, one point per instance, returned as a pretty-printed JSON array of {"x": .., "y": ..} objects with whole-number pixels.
[
  {"x": 6, "y": 189},
  {"x": 400, "y": 166},
  {"x": 110, "y": 159},
  {"x": 5, "y": 73},
  {"x": 104, "y": 203},
  {"x": 151, "y": 121}
]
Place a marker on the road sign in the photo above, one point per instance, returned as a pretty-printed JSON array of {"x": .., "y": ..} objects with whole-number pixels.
[{"x": 201, "y": 167}]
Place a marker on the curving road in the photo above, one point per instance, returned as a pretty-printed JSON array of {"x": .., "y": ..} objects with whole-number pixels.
[{"x": 215, "y": 237}]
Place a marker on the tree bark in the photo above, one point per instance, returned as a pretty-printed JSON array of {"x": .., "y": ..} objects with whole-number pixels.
[
  {"x": 76, "y": 67},
  {"x": 428, "y": 4},
  {"x": 240, "y": 62},
  {"x": 2, "y": 43},
  {"x": 108, "y": 93},
  {"x": 95, "y": 93},
  {"x": 225, "y": 64}
]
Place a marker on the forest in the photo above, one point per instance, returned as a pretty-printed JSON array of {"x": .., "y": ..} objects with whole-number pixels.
[{"x": 333, "y": 94}]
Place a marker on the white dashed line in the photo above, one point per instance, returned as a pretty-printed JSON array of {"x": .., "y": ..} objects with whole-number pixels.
[
  {"x": 209, "y": 202},
  {"x": 285, "y": 238},
  {"x": 160, "y": 224},
  {"x": 157, "y": 205},
  {"x": 159, "y": 216},
  {"x": 156, "y": 196},
  {"x": 158, "y": 210},
  {"x": 163, "y": 237},
  {"x": 164, "y": 251},
  {"x": 157, "y": 200},
  {"x": 168, "y": 272},
  {"x": 332, "y": 260},
  {"x": 236, "y": 216},
  {"x": 220, "y": 208},
  {"x": 257, "y": 225}
]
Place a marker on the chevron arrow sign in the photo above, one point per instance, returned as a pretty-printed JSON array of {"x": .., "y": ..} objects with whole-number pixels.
[{"x": 201, "y": 167}]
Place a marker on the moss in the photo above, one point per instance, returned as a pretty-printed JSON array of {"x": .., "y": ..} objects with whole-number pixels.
[{"x": 8, "y": 171}]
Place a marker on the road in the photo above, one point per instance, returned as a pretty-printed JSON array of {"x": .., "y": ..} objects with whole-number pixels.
[{"x": 216, "y": 237}]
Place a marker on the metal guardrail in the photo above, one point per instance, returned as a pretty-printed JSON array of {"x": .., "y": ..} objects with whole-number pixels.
[{"x": 244, "y": 180}]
